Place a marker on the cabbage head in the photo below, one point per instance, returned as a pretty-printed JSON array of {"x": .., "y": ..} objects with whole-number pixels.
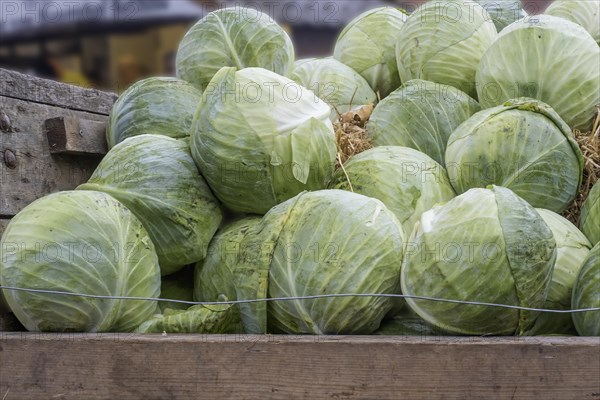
[
  {"x": 589, "y": 220},
  {"x": 233, "y": 37},
  {"x": 503, "y": 12},
  {"x": 224, "y": 273},
  {"x": 572, "y": 248},
  {"x": 177, "y": 286},
  {"x": 420, "y": 115},
  {"x": 546, "y": 58},
  {"x": 335, "y": 83},
  {"x": 260, "y": 139},
  {"x": 586, "y": 295},
  {"x": 522, "y": 145},
  {"x": 584, "y": 13},
  {"x": 79, "y": 242},
  {"x": 160, "y": 106},
  {"x": 332, "y": 242},
  {"x": 156, "y": 178},
  {"x": 443, "y": 41},
  {"x": 367, "y": 45},
  {"x": 407, "y": 181},
  {"x": 486, "y": 245},
  {"x": 298, "y": 63},
  {"x": 207, "y": 319}
]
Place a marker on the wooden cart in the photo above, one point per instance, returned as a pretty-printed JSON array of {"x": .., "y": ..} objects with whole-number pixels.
[{"x": 54, "y": 141}]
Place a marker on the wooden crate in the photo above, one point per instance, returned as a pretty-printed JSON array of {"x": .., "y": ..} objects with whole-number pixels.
[
  {"x": 57, "y": 139},
  {"x": 54, "y": 142}
]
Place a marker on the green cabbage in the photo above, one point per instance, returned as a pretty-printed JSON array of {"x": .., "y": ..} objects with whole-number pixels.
[
  {"x": 156, "y": 178},
  {"x": 522, "y": 145},
  {"x": 583, "y": 12},
  {"x": 589, "y": 220},
  {"x": 233, "y": 37},
  {"x": 587, "y": 295},
  {"x": 332, "y": 242},
  {"x": 572, "y": 248},
  {"x": 486, "y": 245},
  {"x": 322, "y": 242},
  {"x": 218, "y": 318},
  {"x": 367, "y": 45},
  {"x": 407, "y": 181},
  {"x": 546, "y": 58},
  {"x": 260, "y": 139},
  {"x": 443, "y": 41},
  {"x": 420, "y": 115},
  {"x": 335, "y": 83},
  {"x": 79, "y": 242},
  {"x": 161, "y": 106},
  {"x": 222, "y": 273}
]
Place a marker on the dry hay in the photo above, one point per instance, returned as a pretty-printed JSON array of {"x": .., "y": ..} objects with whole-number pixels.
[
  {"x": 350, "y": 134},
  {"x": 352, "y": 139},
  {"x": 589, "y": 142}
]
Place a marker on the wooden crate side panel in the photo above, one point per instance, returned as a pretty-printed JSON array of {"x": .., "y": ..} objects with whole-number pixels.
[
  {"x": 34, "y": 171},
  {"x": 29, "y": 88},
  {"x": 127, "y": 366}
]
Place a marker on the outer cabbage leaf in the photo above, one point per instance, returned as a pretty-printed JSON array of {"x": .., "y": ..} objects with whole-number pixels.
[
  {"x": 227, "y": 271},
  {"x": 587, "y": 295},
  {"x": 443, "y": 42},
  {"x": 233, "y": 37},
  {"x": 522, "y": 145},
  {"x": 407, "y": 181},
  {"x": 546, "y": 58},
  {"x": 333, "y": 242},
  {"x": 589, "y": 220},
  {"x": 367, "y": 45},
  {"x": 260, "y": 139},
  {"x": 584, "y": 13},
  {"x": 572, "y": 248},
  {"x": 421, "y": 115},
  {"x": 486, "y": 245},
  {"x": 156, "y": 178},
  {"x": 335, "y": 83},
  {"x": 160, "y": 106},
  {"x": 79, "y": 242},
  {"x": 196, "y": 319}
]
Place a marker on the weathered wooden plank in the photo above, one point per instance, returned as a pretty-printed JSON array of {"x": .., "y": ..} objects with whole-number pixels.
[
  {"x": 35, "y": 172},
  {"x": 29, "y": 88},
  {"x": 69, "y": 135},
  {"x": 127, "y": 366}
]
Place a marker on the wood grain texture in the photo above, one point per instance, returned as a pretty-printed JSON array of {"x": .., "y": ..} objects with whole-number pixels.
[
  {"x": 36, "y": 172},
  {"x": 128, "y": 366},
  {"x": 33, "y": 89},
  {"x": 69, "y": 135}
]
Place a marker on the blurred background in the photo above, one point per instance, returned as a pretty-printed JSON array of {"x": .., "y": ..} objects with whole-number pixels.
[{"x": 110, "y": 44}]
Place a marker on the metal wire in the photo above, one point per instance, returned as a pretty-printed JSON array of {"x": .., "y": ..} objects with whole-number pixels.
[{"x": 321, "y": 296}]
